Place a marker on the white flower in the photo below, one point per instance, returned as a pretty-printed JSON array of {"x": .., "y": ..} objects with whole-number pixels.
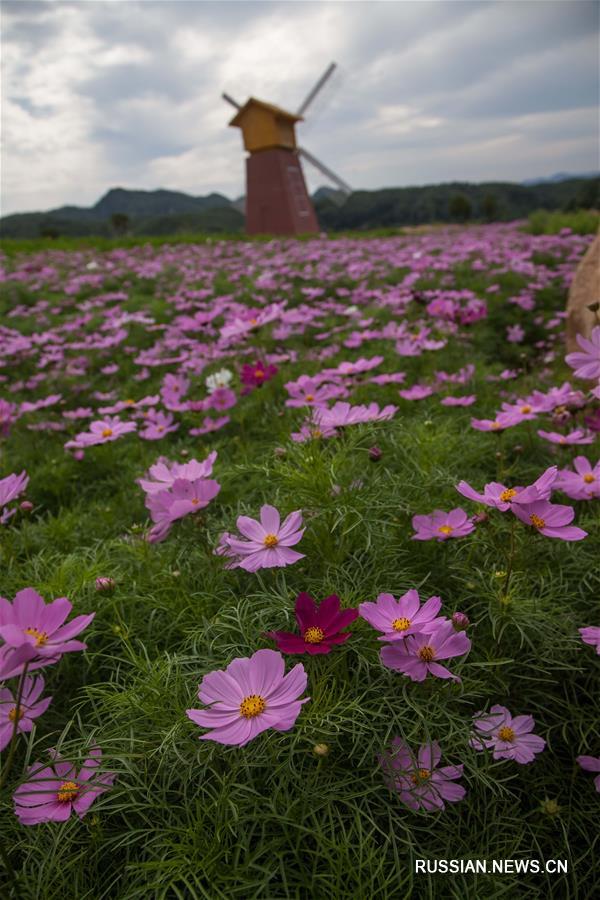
[{"x": 218, "y": 379}]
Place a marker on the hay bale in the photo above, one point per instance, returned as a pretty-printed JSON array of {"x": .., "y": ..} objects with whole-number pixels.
[{"x": 584, "y": 292}]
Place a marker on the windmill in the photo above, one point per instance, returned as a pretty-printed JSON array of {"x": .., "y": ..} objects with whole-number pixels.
[{"x": 277, "y": 201}]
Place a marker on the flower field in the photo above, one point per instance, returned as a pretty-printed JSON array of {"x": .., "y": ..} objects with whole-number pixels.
[{"x": 299, "y": 547}]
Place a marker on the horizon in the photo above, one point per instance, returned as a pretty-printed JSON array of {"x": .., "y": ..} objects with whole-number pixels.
[
  {"x": 99, "y": 94},
  {"x": 233, "y": 200}
]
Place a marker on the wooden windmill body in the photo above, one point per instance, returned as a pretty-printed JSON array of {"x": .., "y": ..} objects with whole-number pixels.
[{"x": 277, "y": 201}]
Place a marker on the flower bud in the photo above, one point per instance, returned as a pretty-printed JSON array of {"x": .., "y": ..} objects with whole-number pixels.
[
  {"x": 550, "y": 807},
  {"x": 479, "y": 518},
  {"x": 280, "y": 451},
  {"x": 375, "y": 454},
  {"x": 460, "y": 621},
  {"x": 321, "y": 749},
  {"x": 103, "y": 583},
  {"x": 26, "y": 505}
]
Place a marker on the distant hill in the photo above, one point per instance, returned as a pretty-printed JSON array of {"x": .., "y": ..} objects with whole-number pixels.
[
  {"x": 454, "y": 202},
  {"x": 137, "y": 212},
  {"x": 559, "y": 176},
  {"x": 163, "y": 212}
]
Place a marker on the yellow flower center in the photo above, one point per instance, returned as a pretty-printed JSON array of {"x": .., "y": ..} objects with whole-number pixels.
[
  {"x": 426, "y": 653},
  {"x": 446, "y": 529},
  {"x": 537, "y": 521},
  {"x": 508, "y": 494},
  {"x": 506, "y": 733},
  {"x": 271, "y": 540},
  {"x": 310, "y": 397},
  {"x": 160, "y": 427},
  {"x": 67, "y": 791},
  {"x": 130, "y": 402},
  {"x": 107, "y": 432},
  {"x": 252, "y": 706},
  {"x": 254, "y": 321},
  {"x": 195, "y": 501},
  {"x": 526, "y": 409},
  {"x": 401, "y": 624},
  {"x": 258, "y": 373},
  {"x": 588, "y": 478},
  {"x": 40, "y": 636},
  {"x": 314, "y": 635},
  {"x": 12, "y": 714},
  {"x": 563, "y": 440},
  {"x": 420, "y": 776},
  {"x": 495, "y": 426},
  {"x": 316, "y": 433}
]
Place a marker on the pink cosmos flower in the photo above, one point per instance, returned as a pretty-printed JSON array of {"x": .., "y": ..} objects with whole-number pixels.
[
  {"x": 514, "y": 334},
  {"x": 420, "y": 783},
  {"x": 182, "y": 498},
  {"x": 13, "y": 660},
  {"x": 111, "y": 428},
  {"x": 502, "y": 421},
  {"x": 440, "y": 525},
  {"x": 157, "y": 425},
  {"x": 510, "y": 738},
  {"x": 591, "y": 764},
  {"x": 591, "y": 635},
  {"x": 359, "y": 366},
  {"x": 579, "y": 436},
  {"x": 466, "y": 400},
  {"x": 163, "y": 473},
  {"x": 551, "y": 519},
  {"x": 501, "y": 497},
  {"x": 11, "y": 487},
  {"x": 190, "y": 496},
  {"x": 268, "y": 543},
  {"x": 39, "y": 626},
  {"x": 209, "y": 425},
  {"x": 399, "y": 618},
  {"x": 221, "y": 398},
  {"x": 342, "y": 414},
  {"x": 53, "y": 792},
  {"x": 417, "y": 655},
  {"x": 310, "y": 431},
  {"x": 30, "y": 708},
  {"x": 307, "y": 392},
  {"x": 7, "y": 416},
  {"x": 587, "y": 363},
  {"x": 583, "y": 483},
  {"x": 416, "y": 392},
  {"x": 320, "y": 626},
  {"x": 249, "y": 696}
]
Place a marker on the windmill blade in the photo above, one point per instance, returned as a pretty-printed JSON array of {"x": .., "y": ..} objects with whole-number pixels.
[
  {"x": 345, "y": 188},
  {"x": 230, "y": 100},
  {"x": 309, "y": 99}
]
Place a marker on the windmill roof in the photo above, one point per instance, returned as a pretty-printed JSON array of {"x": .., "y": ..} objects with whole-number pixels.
[{"x": 276, "y": 110}]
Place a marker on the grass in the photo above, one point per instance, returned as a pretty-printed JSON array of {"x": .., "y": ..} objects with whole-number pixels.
[
  {"x": 273, "y": 820},
  {"x": 582, "y": 221}
]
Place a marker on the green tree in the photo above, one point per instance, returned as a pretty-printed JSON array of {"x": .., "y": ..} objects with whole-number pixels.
[
  {"x": 489, "y": 208},
  {"x": 120, "y": 222},
  {"x": 460, "y": 208}
]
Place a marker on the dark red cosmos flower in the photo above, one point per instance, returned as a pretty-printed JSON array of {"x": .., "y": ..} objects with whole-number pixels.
[
  {"x": 320, "y": 626},
  {"x": 255, "y": 374}
]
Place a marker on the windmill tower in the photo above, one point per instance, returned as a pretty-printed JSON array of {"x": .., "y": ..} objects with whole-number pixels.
[{"x": 277, "y": 201}]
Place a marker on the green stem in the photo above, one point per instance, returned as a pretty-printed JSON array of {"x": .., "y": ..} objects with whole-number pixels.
[
  {"x": 510, "y": 558},
  {"x": 16, "y": 891},
  {"x": 13, "y": 741}
]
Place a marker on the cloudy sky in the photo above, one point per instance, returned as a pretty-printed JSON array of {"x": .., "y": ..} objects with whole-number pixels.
[{"x": 124, "y": 93}]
